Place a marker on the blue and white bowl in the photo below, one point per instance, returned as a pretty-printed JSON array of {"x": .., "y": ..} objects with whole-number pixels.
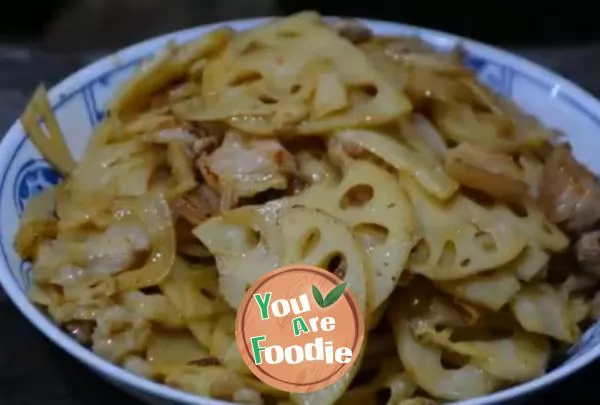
[{"x": 78, "y": 103}]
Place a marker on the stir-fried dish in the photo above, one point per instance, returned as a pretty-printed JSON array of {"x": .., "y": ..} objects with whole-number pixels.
[{"x": 466, "y": 229}]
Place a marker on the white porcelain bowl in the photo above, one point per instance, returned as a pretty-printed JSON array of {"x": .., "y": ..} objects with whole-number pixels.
[{"x": 78, "y": 102}]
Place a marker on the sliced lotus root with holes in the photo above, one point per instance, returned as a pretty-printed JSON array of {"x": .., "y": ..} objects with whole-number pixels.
[
  {"x": 169, "y": 66},
  {"x": 491, "y": 290},
  {"x": 297, "y": 74},
  {"x": 460, "y": 237},
  {"x": 425, "y": 170},
  {"x": 424, "y": 364},
  {"x": 537, "y": 229},
  {"x": 518, "y": 357},
  {"x": 371, "y": 202},
  {"x": 246, "y": 244},
  {"x": 313, "y": 237}
]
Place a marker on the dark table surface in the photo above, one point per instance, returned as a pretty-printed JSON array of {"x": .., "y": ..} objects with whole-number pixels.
[{"x": 32, "y": 370}]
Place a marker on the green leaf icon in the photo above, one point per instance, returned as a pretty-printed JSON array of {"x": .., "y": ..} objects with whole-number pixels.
[
  {"x": 331, "y": 298},
  {"x": 317, "y": 295},
  {"x": 334, "y": 295}
]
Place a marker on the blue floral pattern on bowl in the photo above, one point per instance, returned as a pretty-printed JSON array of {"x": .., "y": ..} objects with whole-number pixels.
[
  {"x": 33, "y": 177},
  {"x": 496, "y": 76}
]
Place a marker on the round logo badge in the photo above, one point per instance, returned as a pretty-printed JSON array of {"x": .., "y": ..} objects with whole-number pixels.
[{"x": 299, "y": 328}]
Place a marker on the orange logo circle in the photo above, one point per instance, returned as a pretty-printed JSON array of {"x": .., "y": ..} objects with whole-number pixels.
[{"x": 299, "y": 328}]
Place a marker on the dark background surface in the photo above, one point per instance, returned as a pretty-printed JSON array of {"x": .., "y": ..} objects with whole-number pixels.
[
  {"x": 52, "y": 39},
  {"x": 496, "y": 21}
]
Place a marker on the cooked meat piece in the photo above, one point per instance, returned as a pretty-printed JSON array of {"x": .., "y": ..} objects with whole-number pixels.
[
  {"x": 198, "y": 205},
  {"x": 353, "y": 30},
  {"x": 588, "y": 253},
  {"x": 245, "y": 166},
  {"x": 569, "y": 193}
]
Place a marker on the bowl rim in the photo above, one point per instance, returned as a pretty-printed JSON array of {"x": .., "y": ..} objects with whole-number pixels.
[{"x": 585, "y": 102}]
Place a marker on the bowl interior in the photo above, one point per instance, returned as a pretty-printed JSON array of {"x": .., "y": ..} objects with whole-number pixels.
[{"x": 78, "y": 103}]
